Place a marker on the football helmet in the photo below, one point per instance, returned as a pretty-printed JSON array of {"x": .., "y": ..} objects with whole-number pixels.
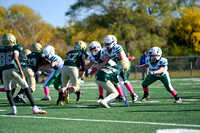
[
  {"x": 49, "y": 51},
  {"x": 8, "y": 39},
  {"x": 80, "y": 45},
  {"x": 95, "y": 47},
  {"x": 110, "y": 41},
  {"x": 25, "y": 52},
  {"x": 123, "y": 65},
  {"x": 36, "y": 47},
  {"x": 155, "y": 54}
]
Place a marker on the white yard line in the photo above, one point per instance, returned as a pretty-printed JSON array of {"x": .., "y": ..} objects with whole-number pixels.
[{"x": 108, "y": 121}]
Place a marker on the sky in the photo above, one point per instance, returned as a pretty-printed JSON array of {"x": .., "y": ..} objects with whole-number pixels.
[{"x": 51, "y": 11}]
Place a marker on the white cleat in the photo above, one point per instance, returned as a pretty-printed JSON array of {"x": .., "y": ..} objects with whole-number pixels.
[
  {"x": 178, "y": 100},
  {"x": 104, "y": 104}
]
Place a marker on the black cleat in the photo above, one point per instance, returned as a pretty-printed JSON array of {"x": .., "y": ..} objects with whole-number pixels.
[
  {"x": 16, "y": 100},
  {"x": 100, "y": 97},
  {"x": 145, "y": 97},
  {"x": 79, "y": 95}
]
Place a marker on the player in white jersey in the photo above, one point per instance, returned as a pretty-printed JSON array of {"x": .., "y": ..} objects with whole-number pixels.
[
  {"x": 157, "y": 71},
  {"x": 117, "y": 54},
  {"x": 96, "y": 57},
  {"x": 55, "y": 69}
]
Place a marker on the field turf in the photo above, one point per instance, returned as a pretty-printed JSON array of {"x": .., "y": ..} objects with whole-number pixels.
[{"x": 86, "y": 116}]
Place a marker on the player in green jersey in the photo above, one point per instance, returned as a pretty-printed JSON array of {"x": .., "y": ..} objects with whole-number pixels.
[
  {"x": 108, "y": 78},
  {"x": 71, "y": 70},
  {"x": 36, "y": 60},
  {"x": 9, "y": 54}
]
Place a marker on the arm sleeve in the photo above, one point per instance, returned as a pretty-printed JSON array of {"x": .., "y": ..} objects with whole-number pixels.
[{"x": 83, "y": 62}]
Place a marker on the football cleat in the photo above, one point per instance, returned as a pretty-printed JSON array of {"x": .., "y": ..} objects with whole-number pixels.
[
  {"x": 100, "y": 97},
  {"x": 145, "y": 97},
  {"x": 99, "y": 100},
  {"x": 16, "y": 100},
  {"x": 14, "y": 111},
  {"x": 126, "y": 103},
  {"x": 67, "y": 97},
  {"x": 104, "y": 104},
  {"x": 134, "y": 97},
  {"x": 179, "y": 100},
  {"x": 79, "y": 95},
  {"x": 21, "y": 98},
  {"x": 46, "y": 98},
  {"x": 60, "y": 103},
  {"x": 39, "y": 111}
]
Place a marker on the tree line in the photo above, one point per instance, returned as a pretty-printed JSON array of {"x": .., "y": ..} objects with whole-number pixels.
[{"x": 172, "y": 25}]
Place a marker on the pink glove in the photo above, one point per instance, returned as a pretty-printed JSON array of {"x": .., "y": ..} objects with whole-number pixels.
[{"x": 94, "y": 69}]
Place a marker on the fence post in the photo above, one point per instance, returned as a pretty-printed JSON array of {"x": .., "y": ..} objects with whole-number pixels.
[{"x": 190, "y": 68}]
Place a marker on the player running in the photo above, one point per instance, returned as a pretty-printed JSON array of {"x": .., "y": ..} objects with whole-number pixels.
[
  {"x": 71, "y": 70},
  {"x": 9, "y": 54},
  {"x": 157, "y": 71}
]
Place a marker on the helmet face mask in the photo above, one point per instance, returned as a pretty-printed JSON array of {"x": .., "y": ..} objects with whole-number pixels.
[
  {"x": 36, "y": 47},
  {"x": 80, "y": 45},
  {"x": 155, "y": 54},
  {"x": 110, "y": 41},
  {"x": 49, "y": 51},
  {"x": 95, "y": 47},
  {"x": 8, "y": 39}
]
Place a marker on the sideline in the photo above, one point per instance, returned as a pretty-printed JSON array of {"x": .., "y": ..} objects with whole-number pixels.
[{"x": 110, "y": 121}]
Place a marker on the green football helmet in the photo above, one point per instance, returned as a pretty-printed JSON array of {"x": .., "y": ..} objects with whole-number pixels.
[
  {"x": 36, "y": 47},
  {"x": 80, "y": 45},
  {"x": 24, "y": 53},
  {"x": 8, "y": 39}
]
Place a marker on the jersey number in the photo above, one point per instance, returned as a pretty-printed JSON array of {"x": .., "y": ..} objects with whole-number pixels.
[
  {"x": 5, "y": 59},
  {"x": 32, "y": 62},
  {"x": 71, "y": 56}
]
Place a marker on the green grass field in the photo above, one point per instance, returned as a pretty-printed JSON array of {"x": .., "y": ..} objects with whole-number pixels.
[{"x": 87, "y": 116}]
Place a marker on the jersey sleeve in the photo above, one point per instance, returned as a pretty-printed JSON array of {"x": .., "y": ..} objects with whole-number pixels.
[
  {"x": 118, "y": 48},
  {"x": 163, "y": 62}
]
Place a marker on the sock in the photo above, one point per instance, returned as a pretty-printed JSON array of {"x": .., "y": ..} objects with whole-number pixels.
[
  {"x": 29, "y": 96},
  {"x": 100, "y": 90},
  {"x": 146, "y": 89},
  {"x": 2, "y": 90},
  {"x": 110, "y": 97},
  {"x": 173, "y": 92},
  {"x": 13, "y": 90},
  {"x": 60, "y": 96},
  {"x": 35, "y": 108},
  {"x": 10, "y": 98},
  {"x": 119, "y": 89},
  {"x": 46, "y": 91},
  {"x": 130, "y": 89}
]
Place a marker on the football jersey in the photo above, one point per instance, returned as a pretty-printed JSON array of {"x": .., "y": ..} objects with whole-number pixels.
[
  {"x": 112, "y": 53},
  {"x": 59, "y": 62},
  {"x": 6, "y": 56},
  {"x": 74, "y": 57},
  {"x": 35, "y": 60},
  {"x": 110, "y": 73},
  {"x": 163, "y": 62},
  {"x": 99, "y": 59},
  {"x": 22, "y": 61}
]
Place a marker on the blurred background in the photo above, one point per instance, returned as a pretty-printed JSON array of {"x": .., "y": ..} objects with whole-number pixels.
[{"x": 172, "y": 25}]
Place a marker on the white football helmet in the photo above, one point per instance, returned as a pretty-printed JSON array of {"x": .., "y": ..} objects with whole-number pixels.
[
  {"x": 110, "y": 41},
  {"x": 155, "y": 54},
  {"x": 95, "y": 47},
  {"x": 49, "y": 51}
]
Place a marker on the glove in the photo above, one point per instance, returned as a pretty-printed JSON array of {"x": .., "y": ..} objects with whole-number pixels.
[
  {"x": 151, "y": 72},
  {"x": 137, "y": 67},
  {"x": 94, "y": 69}
]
